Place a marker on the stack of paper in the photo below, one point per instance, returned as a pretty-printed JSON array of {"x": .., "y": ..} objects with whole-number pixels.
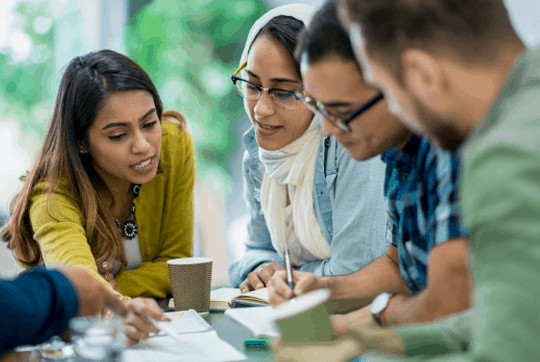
[
  {"x": 192, "y": 343},
  {"x": 188, "y": 321},
  {"x": 205, "y": 346}
]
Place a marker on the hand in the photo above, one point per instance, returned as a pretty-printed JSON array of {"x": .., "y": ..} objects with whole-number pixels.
[
  {"x": 259, "y": 277},
  {"x": 372, "y": 337},
  {"x": 93, "y": 296},
  {"x": 342, "y": 323},
  {"x": 110, "y": 278},
  {"x": 279, "y": 291},
  {"x": 342, "y": 349},
  {"x": 106, "y": 272},
  {"x": 138, "y": 325}
]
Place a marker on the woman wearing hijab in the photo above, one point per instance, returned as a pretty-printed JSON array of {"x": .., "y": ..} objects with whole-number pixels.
[{"x": 303, "y": 191}]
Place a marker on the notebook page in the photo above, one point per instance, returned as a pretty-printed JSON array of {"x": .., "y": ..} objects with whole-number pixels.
[
  {"x": 259, "y": 293},
  {"x": 224, "y": 294},
  {"x": 259, "y": 320}
]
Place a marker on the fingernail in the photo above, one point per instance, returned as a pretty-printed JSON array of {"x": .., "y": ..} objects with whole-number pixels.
[{"x": 259, "y": 285}]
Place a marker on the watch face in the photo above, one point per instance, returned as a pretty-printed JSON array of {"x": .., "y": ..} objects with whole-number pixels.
[{"x": 379, "y": 303}]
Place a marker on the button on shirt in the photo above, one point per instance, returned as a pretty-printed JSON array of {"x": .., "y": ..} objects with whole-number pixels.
[{"x": 422, "y": 194}]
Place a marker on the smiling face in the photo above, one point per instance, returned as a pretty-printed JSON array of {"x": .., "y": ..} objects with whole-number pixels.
[
  {"x": 270, "y": 65},
  {"x": 124, "y": 142},
  {"x": 338, "y": 85}
]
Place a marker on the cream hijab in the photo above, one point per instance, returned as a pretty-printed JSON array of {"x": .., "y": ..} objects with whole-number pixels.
[{"x": 291, "y": 169}]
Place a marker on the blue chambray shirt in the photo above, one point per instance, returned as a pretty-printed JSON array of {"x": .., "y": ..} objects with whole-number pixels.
[
  {"x": 422, "y": 194},
  {"x": 349, "y": 205}
]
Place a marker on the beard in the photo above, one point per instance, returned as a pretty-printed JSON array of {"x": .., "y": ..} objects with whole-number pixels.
[{"x": 444, "y": 132}]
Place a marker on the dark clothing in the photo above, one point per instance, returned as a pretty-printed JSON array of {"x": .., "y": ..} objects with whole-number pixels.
[{"x": 34, "y": 307}]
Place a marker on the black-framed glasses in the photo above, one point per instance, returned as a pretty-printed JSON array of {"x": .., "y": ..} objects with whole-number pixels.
[
  {"x": 343, "y": 124},
  {"x": 283, "y": 98}
]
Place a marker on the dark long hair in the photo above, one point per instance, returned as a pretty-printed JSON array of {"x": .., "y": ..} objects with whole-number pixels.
[
  {"x": 325, "y": 37},
  {"x": 86, "y": 84}
]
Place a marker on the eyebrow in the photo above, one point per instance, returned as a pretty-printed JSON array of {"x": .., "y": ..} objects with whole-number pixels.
[
  {"x": 275, "y": 80},
  {"x": 122, "y": 124}
]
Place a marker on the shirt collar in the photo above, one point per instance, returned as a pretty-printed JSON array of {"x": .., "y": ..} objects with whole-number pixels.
[{"x": 406, "y": 156}]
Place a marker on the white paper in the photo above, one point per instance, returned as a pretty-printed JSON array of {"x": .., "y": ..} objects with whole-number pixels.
[
  {"x": 205, "y": 346},
  {"x": 259, "y": 320},
  {"x": 224, "y": 294},
  {"x": 189, "y": 322},
  {"x": 260, "y": 293}
]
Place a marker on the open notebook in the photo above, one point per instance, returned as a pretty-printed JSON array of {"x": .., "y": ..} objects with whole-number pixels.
[
  {"x": 225, "y": 298},
  {"x": 260, "y": 320}
]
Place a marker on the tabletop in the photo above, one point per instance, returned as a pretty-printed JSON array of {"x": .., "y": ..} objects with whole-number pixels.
[
  {"x": 235, "y": 334},
  {"x": 227, "y": 329}
]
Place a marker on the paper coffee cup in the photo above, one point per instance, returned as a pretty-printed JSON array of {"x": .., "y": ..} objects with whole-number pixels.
[
  {"x": 191, "y": 280},
  {"x": 305, "y": 318}
]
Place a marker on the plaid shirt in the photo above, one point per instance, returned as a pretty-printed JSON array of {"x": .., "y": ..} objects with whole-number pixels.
[{"x": 422, "y": 194}]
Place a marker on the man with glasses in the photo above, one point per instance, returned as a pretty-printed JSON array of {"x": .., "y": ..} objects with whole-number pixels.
[{"x": 424, "y": 275}]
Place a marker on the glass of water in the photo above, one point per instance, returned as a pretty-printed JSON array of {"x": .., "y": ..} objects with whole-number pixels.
[{"x": 98, "y": 339}]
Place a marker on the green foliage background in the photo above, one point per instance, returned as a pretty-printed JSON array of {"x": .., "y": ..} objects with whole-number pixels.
[
  {"x": 190, "y": 49},
  {"x": 26, "y": 89}
]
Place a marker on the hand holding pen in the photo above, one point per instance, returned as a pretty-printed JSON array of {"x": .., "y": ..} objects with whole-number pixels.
[
  {"x": 280, "y": 287},
  {"x": 288, "y": 268}
]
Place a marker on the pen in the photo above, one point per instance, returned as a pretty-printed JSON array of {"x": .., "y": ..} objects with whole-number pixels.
[{"x": 288, "y": 267}]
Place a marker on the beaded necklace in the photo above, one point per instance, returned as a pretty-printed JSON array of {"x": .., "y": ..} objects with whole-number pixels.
[{"x": 129, "y": 229}]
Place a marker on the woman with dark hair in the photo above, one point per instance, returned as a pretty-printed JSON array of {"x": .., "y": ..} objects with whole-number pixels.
[
  {"x": 112, "y": 188},
  {"x": 303, "y": 191}
]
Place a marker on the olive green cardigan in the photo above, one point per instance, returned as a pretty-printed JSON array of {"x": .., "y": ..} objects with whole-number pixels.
[{"x": 164, "y": 214}]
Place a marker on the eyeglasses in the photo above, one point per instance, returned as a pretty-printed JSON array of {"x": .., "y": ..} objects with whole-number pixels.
[
  {"x": 343, "y": 124},
  {"x": 283, "y": 98}
]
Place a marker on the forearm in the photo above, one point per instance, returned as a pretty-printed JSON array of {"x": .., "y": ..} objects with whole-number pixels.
[
  {"x": 239, "y": 271},
  {"x": 150, "y": 279},
  {"x": 404, "y": 309},
  {"x": 382, "y": 275},
  {"x": 379, "y": 339},
  {"x": 449, "y": 335},
  {"x": 35, "y": 306},
  {"x": 448, "y": 290}
]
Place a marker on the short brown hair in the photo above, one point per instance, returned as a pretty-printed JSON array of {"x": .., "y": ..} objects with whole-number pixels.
[{"x": 471, "y": 31}]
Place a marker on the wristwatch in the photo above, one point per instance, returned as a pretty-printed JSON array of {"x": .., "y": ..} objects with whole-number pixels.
[{"x": 379, "y": 304}]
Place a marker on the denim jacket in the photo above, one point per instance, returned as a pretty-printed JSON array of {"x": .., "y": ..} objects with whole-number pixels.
[{"x": 349, "y": 205}]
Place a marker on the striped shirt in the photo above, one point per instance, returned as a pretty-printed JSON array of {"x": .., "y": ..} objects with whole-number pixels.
[{"x": 422, "y": 194}]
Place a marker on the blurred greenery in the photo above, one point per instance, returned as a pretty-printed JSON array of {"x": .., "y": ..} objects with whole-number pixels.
[
  {"x": 26, "y": 85},
  {"x": 190, "y": 49}
]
